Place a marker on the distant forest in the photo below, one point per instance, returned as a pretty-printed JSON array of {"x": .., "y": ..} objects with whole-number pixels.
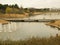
[{"x": 15, "y": 9}]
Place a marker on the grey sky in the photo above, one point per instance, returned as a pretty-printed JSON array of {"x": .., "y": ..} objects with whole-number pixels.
[{"x": 34, "y": 3}]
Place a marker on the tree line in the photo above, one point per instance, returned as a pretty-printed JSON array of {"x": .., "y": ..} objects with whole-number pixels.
[
  {"x": 15, "y": 9},
  {"x": 10, "y": 9}
]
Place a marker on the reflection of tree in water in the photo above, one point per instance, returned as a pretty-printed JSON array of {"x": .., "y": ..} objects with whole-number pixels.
[
  {"x": 5, "y": 27},
  {"x": 10, "y": 27}
]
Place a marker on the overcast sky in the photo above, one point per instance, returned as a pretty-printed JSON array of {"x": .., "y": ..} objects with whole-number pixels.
[{"x": 34, "y": 3}]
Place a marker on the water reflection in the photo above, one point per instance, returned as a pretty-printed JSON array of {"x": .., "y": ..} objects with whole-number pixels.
[
  {"x": 8, "y": 27},
  {"x": 22, "y": 30}
]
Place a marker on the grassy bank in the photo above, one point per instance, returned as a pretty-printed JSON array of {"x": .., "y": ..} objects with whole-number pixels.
[
  {"x": 55, "y": 24},
  {"x": 13, "y": 15},
  {"x": 33, "y": 41},
  {"x": 4, "y": 21},
  {"x": 25, "y": 14}
]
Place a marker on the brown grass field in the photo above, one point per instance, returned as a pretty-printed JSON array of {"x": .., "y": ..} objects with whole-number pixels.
[{"x": 33, "y": 41}]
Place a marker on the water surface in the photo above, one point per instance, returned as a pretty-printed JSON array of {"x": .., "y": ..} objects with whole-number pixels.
[{"x": 22, "y": 30}]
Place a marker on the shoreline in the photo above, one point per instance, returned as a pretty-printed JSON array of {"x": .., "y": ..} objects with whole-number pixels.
[
  {"x": 55, "y": 24},
  {"x": 25, "y": 14},
  {"x": 4, "y": 22}
]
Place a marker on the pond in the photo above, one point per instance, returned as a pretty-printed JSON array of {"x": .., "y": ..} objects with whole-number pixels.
[{"x": 22, "y": 30}]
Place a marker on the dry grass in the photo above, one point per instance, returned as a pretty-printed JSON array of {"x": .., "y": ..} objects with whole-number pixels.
[
  {"x": 33, "y": 41},
  {"x": 56, "y": 23},
  {"x": 24, "y": 15},
  {"x": 4, "y": 21},
  {"x": 13, "y": 15}
]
